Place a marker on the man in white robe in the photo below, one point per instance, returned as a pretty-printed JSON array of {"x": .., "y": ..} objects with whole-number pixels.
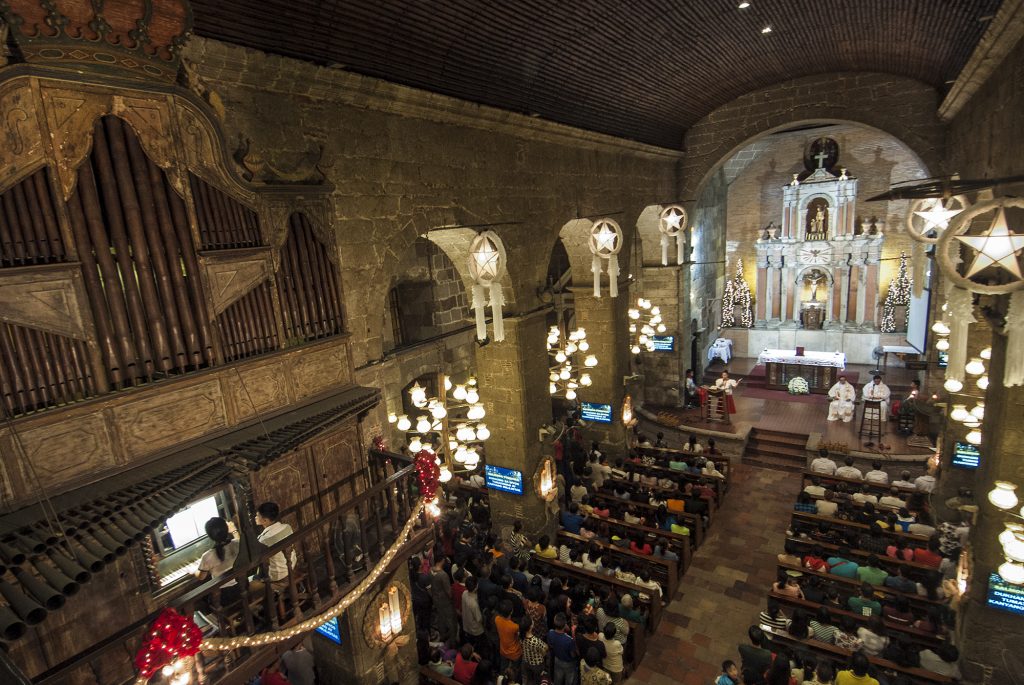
[
  {"x": 877, "y": 390},
  {"x": 843, "y": 395}
]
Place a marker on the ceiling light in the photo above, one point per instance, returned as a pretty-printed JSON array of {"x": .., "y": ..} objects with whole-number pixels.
[
  {"x": 767, "y": 29},
  {"x": 743, "y": 5}
]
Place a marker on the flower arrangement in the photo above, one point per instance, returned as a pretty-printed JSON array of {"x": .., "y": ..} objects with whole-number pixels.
[{"x": 798, "y": 386}]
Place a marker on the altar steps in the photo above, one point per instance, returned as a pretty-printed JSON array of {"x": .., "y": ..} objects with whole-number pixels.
[{"x": 776, "y": 450}]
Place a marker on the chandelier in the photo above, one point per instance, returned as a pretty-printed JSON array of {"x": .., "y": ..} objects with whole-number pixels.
[
  {"x": 566, "y": 373},
  {"x": 644, "y": 323},
  {"x": 450, "y": 426}
]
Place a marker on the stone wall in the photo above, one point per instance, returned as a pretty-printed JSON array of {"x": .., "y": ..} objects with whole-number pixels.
[{"x": 707, "y": 275}]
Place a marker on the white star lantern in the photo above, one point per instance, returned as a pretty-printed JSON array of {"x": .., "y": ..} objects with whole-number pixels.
[
  {"x": 605, "y": 243},
  {"x": 932, "y": 214},
  {"x": 487, "y": 266},
  {"x": 996, "y": 247},
  {"x": 672, "y": 223}
]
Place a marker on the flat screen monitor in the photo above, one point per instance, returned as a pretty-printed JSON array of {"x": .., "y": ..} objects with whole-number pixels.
[
  {"x": 663, "y": 343},
  {"x": 330, "y": 630},
  {"x": 966, "y": 455},
  {"x": 1003, "y": 595},
  {"x": 599, "y": 413},
  {"x": 505, "y": 480},
  {"x": 943, "y": 359}
]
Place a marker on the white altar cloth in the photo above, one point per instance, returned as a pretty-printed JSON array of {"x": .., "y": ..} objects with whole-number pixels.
[
  {"x": 722, "y": 347},
  {"x": 809, "y": 358}
]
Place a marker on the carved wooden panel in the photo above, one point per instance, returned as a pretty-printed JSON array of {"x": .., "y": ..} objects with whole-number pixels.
[
  {"x": 70, "y": 115},
  {"x": 170, "y": 418},
  {"x": 85, "y": 445},
  {"x": 21, "y": 142},
  {"x": 232, "y": 275},
  {"x": 50, "y": 299},
  {"x": 336, "y": 456},
  {"x": 264, "y": 386},
  {"x": 152, "y": 121},
  {"x": 318, "y": 370},
  {"x": 284, "y": 481}
]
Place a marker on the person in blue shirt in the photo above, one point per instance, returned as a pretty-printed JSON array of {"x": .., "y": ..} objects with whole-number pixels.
[
  {"x": 805, "y": 504},
  {"x": 662, "y": 550},
  {"x": 839, "y": 565},
  {"x": 730, "y": 674},
  {"x": 571, "y": 519},
  {"x": 563, "y": 649}
]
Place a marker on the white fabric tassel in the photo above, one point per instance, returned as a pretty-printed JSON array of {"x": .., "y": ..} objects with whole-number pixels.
[
  {"x": 595, "y": 266},
  {"x": 961, "y": 316},
  {"x": 497, "y": 300},
  {"x": 1013, "y": 365},
  {"x": 680, "y": 249},
  {"x": 613, "y": 276},
  {"x": 918, "y": 261},
  {"x": 479, "y": 303},
  {"x": 664, "y": 249}
]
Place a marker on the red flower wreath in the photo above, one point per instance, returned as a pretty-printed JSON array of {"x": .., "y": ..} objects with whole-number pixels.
[
  {"x": 428, "y": 473},
  {"x": 172, "y": 636}
]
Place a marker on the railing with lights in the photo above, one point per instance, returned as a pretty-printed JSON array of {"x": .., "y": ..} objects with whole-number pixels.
[{"x": 565, "y": 376}]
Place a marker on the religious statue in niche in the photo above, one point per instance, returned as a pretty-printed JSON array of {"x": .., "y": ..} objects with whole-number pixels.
[
  {"x": 814, "y": 279},
  {"x": 812, "y": 310},
  {"x": 817, "y": 220}
]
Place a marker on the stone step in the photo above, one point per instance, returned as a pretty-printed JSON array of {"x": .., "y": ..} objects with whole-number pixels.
[
  {"x": 771, "y": 462},
  {"x": 755, "y": 445},
  {"x": 774, "y": 438}
]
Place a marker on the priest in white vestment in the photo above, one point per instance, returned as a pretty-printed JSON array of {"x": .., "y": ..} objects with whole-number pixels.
[
  {"x": 877, "y": 390},
  {"x": 843, "y": 395}
]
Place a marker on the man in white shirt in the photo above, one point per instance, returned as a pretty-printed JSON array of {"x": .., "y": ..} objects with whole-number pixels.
[
  {"x": 822, "y": 464},
  {"x": 843, "y": 395},
  {"x": 892, "y": 499},
  {"x": 904, "y": 481},
  {"x": 815, "y": 489},
  {"x": 826, "y": 507},
  {"x": 877, "y": 390},
  {"x": 864, "y": 496},
  {"x": 943, "y": 660},
  {"x": 925, "y": 483},
  {"x": 274, "y": 531},
  {"x": 876, "y": 475},
  {"x": 600, "y": 471},
  {"x": 849, "y": 470}
]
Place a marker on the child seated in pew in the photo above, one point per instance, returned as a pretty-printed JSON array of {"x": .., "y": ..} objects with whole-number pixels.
[
  {"x": 788, "y": 583},
  {"x": 662, "y": 550},
  {"x": 643, "y": 579},
  {"x": 711, "y": 471}
]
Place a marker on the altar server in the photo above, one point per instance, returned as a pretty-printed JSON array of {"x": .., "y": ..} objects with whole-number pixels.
[
  {"x": 877, "y": 390},
  {"x": 726, "y": 385},
  {"x": 843, "y": 395}
]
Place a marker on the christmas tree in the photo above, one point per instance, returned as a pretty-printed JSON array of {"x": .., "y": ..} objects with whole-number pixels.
[
  {"x": 898, "y": 296},
  {"x": 728, "y": 305},
  {"x": 737, "y": 294}
]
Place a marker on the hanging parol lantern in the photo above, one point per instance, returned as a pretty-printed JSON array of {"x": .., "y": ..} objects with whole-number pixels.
[
  {"x": 605, "y": 243},
  {"x": 672, "y": 223},
  {"x": 487, "y": 265}
]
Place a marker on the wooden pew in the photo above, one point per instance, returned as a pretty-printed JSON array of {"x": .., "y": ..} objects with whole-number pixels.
[
  {"x": 680, "y": 478},
  {"x": 915, "y": 635},
  {"x": 692, "y": 520},
  {"x": 664, "y": 571},
  {"x": 638, "y": 487},
  {"x": 680, "y": 544},
  {"x": 852, "y": 586},
  {"x": 885, "y": 562},
  {"x": 666, "y": 454},
  {"x": 429, "y": 675},
  {"x": 878, "y": 488},
  {"x": 814, "y": 519},
  {"x": 916, "y": 675},
  {"x": 661, "y": 467},
  {"x": 652, "y": 604}
]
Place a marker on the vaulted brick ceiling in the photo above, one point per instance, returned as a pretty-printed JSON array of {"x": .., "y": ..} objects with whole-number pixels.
[{"x": 638, "y": 69}]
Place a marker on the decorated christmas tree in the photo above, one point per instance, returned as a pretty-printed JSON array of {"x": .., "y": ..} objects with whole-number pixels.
[
  {"x": 728, "y": 305},
  {"x": 898, "y": 296},
  {"x": 737, "y": 294}
]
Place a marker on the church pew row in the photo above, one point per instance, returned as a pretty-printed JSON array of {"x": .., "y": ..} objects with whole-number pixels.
[
  {"x": 886, "y": 508},
  {"x": 812, "y": 521},
  {"x": 664, "y": 571},
  {"x": 680, "y": 478},
  {"x": 691, "y": 520},
  {"x": 893, "y": 630},
  {"x": 842, "y": 657},
  {"x": 680, "y": 544},
  {"x": 886, "y": 563},
  {"x": 875, "y": 488},
  {"x": 651, "y": 605},
  {"x": 668, "y": 454},
  {"x": 852, "y": 586},
  {"x": 667, "y": 493},
  {"x": 661, "y": 467}
]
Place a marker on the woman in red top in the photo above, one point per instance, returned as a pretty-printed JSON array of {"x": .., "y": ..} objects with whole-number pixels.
[
  {"x": 815, "y": 561},
  {"x": 643, "y": 548},
  {"x": 930, "y": 556},
  {"x": 899, "y": 551}
]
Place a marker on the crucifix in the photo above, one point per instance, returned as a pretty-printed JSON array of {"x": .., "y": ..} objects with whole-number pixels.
[{"x": 821, "y": 157}]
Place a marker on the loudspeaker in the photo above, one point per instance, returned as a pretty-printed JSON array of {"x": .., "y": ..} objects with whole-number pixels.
[
  {"x": 27, "y": 609},
  {"x": 51, "y": 597},
  {"x": 11, "y": 627},
  {"x": 56, "y": 579},
  {"x": 70, "y": 568}
]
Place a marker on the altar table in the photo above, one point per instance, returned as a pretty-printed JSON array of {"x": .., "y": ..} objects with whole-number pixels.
[{"x": 819, "y": 369}]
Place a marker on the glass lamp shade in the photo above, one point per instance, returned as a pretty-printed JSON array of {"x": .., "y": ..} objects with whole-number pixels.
[
  {"x": 975, "y": 367},
  {"x": 415, "y": 445},
  {"x": 986, "y": 353},
  {"x": 982, "y": 382},
  {"x": 476, "y": 412},
  {"x": 635, "y": 349},
  {"x": 422, "y": 424},
  {"x": 642, "y": 339},
  {"x": 472, "y": 458},
  {"x": 459, "y": 392},
  {"x": 472, "y": 396},
  {"x": 1003, "y": 495},
  {"x": 403, "y": 423},
  {"x": 438, "y": 411},
  {"x": 445, "y": 475},
  {"x": 973, "y": 437},
  {"x": 470, "y": 467},
  {"x": 590, "y": 362},
  {"x": 1015, "y": 549},
  {"x": 470, "y": 435},
  {"x": 552, "y": 340},
  {"x": 572, "y": 384},
  {"x": 953, "y": 385},
  {"x": 634, "y": 314},
  {"x": 560, "y": 356},
  {"x": 459, "y": 454},
  {"x": 584, "y": 346},
  {"x": 632, "y": 328},
  {"x": 418, "y": 395},
  {"x": 661, "y": 328},
  {"x": 978, "y": 411},
  {"x": 656, "y": 311},
  {"x": 585, "y": 380},
  {"x": 647, "y": 330},
  {"x": 447, "y": 383},
  {"x": 570, "y": 348},
  {"x": 552, "y": 388},
  {"x": 1012, "y": 572},
  {"x": 1012, "y": 529},
  {"x": 570, "y": 394},
  {"x": 942, "y": 344},
  {"x": 941, "y": 328},
  {"x": 453, "y": 444},
  {"x": 392, "y": 417},
  {"x": 960, "y": 413},
  {"x": 482, "y": 432},
  {"x": 580, "y": 333},
  {"x": 564, "y": 374}
]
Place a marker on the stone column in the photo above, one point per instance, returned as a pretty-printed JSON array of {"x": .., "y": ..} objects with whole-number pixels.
[
  {"x": 769, "y": 294},
  {"x": 870, "y": 295},
  {"x": 605, "y": 321},
  {"x": 514, "y": 388},
  {"x": 863, "y": 302},
  {"x": 844, "y": 294},
  {"x": 762, "y": 293},
  {"x": 785, "y": 295}
]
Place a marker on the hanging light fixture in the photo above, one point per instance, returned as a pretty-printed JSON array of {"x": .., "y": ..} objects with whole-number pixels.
[
  {"x": 959, "y": 413},
  {"x": 403, "y": 423},
  {"x": 942, "y": 345},
  {"x": 953, "y": 385},
  {"x": 672, "y": 224},
  {"x": 978, "y": 411},
  {"x": 1003, "y": 495},
  {"x": 563, "y": 365},
  {"x": 973, "y": 436},
  {"x": 941, "y": 328},
  {"x": 982, "y": 382},
  {"x": 1012, "y": 572},
  {"x": 975, "y": 367}
]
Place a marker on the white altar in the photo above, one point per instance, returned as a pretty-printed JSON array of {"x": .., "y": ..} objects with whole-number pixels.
[{"x": 808, "y": 358}]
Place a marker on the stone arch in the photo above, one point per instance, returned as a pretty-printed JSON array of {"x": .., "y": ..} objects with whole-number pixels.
[
  {"x": 648, "y": 236},
  {"x": 901, "y": 107}
]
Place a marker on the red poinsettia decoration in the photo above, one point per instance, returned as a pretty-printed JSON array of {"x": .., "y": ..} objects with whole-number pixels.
[
  {"x": 428, "y": 473},
  {"x": 172, "y": 636}
]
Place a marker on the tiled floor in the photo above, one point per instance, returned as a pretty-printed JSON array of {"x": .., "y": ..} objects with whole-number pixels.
[{"x": 726, "y": 585}]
